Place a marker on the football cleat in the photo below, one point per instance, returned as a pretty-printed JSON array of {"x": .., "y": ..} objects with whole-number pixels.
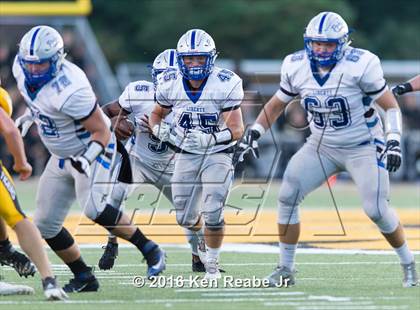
[
  {"x": 156, "y": 262},
  {"x": 212, "y": 269},
  {"x": 410, "y": 275},
  {"x": 52, "y": 291},
  {"x": 78, "y": 285},
  {"x": 107, "y": 260},
  {"x": 23, "y": 266},
  {"x": 14, "y": 289},
  {"x": 281, "y": 276},
  {"x": 197, "y": 265}
]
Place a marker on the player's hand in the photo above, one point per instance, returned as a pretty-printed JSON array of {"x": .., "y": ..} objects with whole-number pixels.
[
  {"x": 393, "y": 155},
  {"x": 52, "y": 291},
  {"x": 144, "y": 124},
  {"x": 196, "y": 140},
  {"x": 24, "y": 170},
  {"x": 23, "y": 123},
  {"x": 162, "y": 131},
  {"x": 81, "y": 164},
  {"x": 247, "y": 144},
  {"x": 401, "y": 89}
]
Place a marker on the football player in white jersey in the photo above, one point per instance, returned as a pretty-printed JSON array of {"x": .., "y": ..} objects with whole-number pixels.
[
  {"x": 151, "y": 161},
  {"x": 76, "y": 133},
  {"x": 207, "y": 121},
  {"x": 10, "y": 212},
  {"x": 338, "y": 85}
]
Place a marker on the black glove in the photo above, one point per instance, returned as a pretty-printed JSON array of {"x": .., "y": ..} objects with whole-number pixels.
[
  {"x": 81, "y": 164},
  {"x": 247, "y": 144},
  {"x": 402, "y": 89},
  {"x": 393, "y": 155}
]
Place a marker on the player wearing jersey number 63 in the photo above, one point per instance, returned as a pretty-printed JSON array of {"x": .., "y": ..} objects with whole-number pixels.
[{"x": 338, "y": 85}]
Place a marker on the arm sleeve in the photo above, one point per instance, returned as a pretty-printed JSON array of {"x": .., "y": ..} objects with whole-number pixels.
[
  {"x": 162, "y": 97},
  {"x": 234, "y": 98},
  {"x": 286, "y": 91},
  {"x": 124, "y": 100},
  {"x": 80, "y": 105},
  {"x": 372, "y": 81}
]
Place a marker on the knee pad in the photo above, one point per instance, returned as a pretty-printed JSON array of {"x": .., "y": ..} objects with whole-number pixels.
[
  {"x": 215, "y": 227},
  {"x": 288, "y": 203},
  {"x": 63, "y": 240},
  {"x": 287, "y": 214},
  {"x": 388, "y": 222},
  {"x": 109, "y": 217},
  {"x": 186, "y": 221}
]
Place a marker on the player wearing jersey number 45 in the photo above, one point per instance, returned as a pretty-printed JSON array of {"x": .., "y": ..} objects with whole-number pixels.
[
  {"x": 338, "y": 85},
  {"x": 205, "y": 103},
  {"x": 150, "y": 160}
]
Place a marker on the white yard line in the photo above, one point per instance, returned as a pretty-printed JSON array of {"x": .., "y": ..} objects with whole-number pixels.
[{"x": 260, "y": 248}]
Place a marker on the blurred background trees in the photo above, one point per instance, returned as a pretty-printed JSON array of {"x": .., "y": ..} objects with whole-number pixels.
[{"x": 134, "y": 30}]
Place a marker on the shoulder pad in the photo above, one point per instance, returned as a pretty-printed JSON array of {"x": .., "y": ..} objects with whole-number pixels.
[{"x": 297, "y": 56}]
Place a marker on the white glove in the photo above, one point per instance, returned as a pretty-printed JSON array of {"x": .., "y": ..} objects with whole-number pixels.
[
  {"x": 81, "y": 164},
  {"x": 52, "y": 291},
  {"x": 24, "y": 122},
  {"x": 196, "y": 139},
  {"x": 15, "y": 289},
  {"x": 162, "y": 131},
  {"x": 143, "y": 123}
]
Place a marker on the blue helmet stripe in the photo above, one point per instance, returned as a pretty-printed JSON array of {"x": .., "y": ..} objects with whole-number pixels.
[
  {"x": 31, "y": 49},
  {"x": 193, "y": 40},
  {"x": 171, "y": 58},
  {"x": 322, "y": 23}
]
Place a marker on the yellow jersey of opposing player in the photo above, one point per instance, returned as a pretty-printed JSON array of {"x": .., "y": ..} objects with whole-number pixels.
[
  {"x": 340, "y": 102},
  {"x": 10, "y": 210},
  {"x": 6, "y": 101},
  {"x": 221, "y": 91}
]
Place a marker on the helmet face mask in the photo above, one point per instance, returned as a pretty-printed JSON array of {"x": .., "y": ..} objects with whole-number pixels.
[
  {"x": 39, "y": 46},
  {"x": 326, "y": 27},
  {"x": 191, "y": 47}
]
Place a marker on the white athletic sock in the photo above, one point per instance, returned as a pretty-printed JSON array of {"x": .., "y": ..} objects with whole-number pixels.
[
  {"x": 213, "y": 253},
  {"x": 287, "y": 255},
  {"x": 404, "y": 253}
]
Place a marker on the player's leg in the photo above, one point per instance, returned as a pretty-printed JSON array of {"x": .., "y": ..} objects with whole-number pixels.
[
  {"x": 306, "y": 171},
  {"x": 11, "y": 257},
  {"x": 116, "y": 197},
  {"x": 54, "y": 197},
  {"x": 186, "y": 192},
  {"x": 195, "y": 234},
  {"x": 92, "y": 195},
  {"x": 372, "y": 181},
  {"x": 28, "y": 236},
  {"x": 8, "y": 254},
  {"x": 216, "y": 178}
]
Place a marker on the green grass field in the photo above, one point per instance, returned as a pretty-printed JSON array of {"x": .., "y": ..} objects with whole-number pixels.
[
  {"x": 324, "y": 281},
  {"x": 403, "y": 195}
]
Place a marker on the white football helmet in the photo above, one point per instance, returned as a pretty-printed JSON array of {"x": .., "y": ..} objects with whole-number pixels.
[
  {"x": 196, "y": 42},
  {"x": 40, "y": 45},
  {"x": 327, "y": 27},
  {"x": 166, "y": 59}
]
